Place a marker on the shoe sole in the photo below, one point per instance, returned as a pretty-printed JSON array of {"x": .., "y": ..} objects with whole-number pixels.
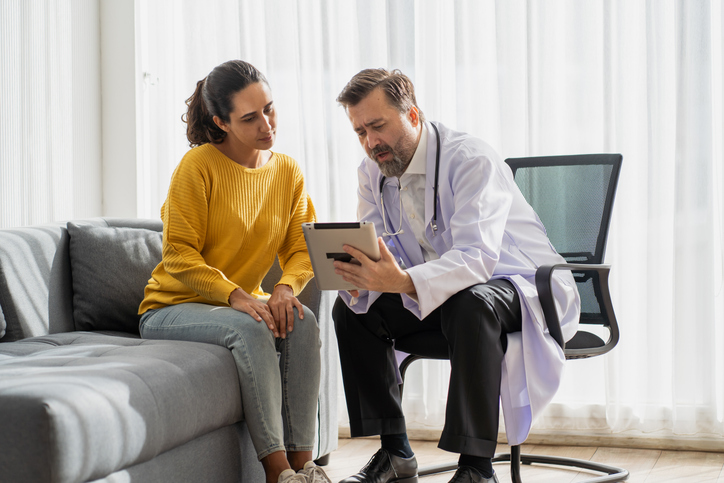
[{"x": 409, "y": 479}]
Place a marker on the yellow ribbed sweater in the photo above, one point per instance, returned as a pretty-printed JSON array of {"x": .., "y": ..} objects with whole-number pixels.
[{"x": 223, "y": 225}]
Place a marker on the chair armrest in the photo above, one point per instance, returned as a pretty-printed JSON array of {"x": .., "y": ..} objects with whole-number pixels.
[{"x": 545, "y": 294}]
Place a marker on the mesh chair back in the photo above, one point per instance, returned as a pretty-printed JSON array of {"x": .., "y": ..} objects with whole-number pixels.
[{"x": 573, "y": 197}]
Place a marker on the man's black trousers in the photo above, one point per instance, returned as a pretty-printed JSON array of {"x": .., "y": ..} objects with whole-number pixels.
[{"x": 474, "y": 322}]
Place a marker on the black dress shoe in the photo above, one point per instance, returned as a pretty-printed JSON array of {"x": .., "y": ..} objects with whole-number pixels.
[
  {"x": 384, "y": 468},
  {"x": 466, "y": 474}
]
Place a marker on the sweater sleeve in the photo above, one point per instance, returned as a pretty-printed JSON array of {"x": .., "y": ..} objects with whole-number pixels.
[
  {"x": 184, "y": 217},
  {"x": 293, "y": 254}
]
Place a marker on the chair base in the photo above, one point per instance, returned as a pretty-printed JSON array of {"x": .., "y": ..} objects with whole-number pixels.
[{"x": 613, "y": 473}]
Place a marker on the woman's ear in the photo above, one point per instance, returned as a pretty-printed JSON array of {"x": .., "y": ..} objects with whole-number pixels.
[{"x": 220, "y": 122}]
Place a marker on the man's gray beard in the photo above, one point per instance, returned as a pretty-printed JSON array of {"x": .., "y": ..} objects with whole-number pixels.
[{"x": 393, "y": 168}]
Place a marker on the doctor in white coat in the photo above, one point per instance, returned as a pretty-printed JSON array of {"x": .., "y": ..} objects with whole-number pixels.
[{"x": 460, "y": 247}]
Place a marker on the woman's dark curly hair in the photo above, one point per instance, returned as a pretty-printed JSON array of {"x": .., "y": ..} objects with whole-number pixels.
[{"x": 212, "y": 97}]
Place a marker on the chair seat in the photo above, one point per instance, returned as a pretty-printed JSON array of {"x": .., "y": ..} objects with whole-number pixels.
[
  {"x": 584, "y": 340},
  {"x": 431, "y": 346}
]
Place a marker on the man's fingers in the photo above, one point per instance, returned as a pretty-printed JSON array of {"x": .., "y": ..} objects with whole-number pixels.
[
  {"x": 347, "y": 270},
  {"x": 361, "y": 257},
  {"x": 348, "y": 277},
  {"x": 385, "y": 253}
]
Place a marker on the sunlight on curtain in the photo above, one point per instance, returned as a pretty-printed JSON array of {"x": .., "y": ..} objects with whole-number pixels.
[
  {"x": 180, "y": 43},
  {"x": 662, "y": 109},
  {"x": 641, "y": 78},
  {"x": 50, "y": 147}
]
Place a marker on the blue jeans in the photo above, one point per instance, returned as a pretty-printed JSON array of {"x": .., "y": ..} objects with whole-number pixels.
[{"x": 279, "y": 378}]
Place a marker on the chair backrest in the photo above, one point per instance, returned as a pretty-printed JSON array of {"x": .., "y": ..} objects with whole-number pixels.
[{"x": 573, "y": 197}]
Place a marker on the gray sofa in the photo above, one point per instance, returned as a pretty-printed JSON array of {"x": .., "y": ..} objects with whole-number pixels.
[{"x": 83, "y": 398}]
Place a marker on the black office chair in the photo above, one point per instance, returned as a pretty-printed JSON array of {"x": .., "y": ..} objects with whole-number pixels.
[{"x": 573, "y": 197}]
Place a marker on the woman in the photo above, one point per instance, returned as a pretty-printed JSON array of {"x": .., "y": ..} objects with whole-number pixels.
[{"x": 232, "y": 207}]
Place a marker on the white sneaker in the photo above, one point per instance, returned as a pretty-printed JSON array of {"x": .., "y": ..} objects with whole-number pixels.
[
  {"x": 289, "y": 476},
  {"x": 314, "y": 473}
]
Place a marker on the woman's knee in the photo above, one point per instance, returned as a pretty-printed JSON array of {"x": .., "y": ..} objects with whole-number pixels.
[
  {"x": 308, "y": 315},
  {"x": 307, "y": 328},
  {"x": 222, "y": 326}
]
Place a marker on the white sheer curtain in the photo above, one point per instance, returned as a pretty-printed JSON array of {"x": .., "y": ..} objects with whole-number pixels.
[
  {"x": 50, "y": 109},
  {"x": 643, "y": 78}
]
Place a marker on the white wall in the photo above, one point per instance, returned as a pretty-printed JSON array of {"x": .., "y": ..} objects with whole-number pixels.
[
  {"x": 118, "y": 87},
  {"x": 86, "y": 96}
]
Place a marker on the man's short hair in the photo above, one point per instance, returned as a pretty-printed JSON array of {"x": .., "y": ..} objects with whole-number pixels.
[{"x": 397, "y": 87}]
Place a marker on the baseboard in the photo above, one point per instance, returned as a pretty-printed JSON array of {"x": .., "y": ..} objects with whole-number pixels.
[{"x": 656, "y": 441}]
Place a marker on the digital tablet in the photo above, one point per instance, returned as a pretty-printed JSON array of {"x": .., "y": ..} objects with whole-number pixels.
[{"x": 325, "y": 242}]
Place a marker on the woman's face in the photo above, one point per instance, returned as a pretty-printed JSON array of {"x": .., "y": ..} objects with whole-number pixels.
[{"x": 253, "y": 120}]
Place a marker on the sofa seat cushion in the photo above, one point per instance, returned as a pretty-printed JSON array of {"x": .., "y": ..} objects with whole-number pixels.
[{"x": 78, "y": 406}]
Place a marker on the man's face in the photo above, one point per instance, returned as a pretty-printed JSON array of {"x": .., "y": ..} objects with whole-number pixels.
[{"x": 388, "y": 136}]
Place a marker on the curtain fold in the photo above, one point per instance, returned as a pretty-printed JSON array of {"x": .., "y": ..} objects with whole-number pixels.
[
  {"x": 50, "y": 142},
  {"x": 643, "y": 78}
]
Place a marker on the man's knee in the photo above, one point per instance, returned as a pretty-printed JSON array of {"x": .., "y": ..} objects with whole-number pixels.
[
  {"x": 470, "y": 308},
  {"x": 475, "y": 298}
]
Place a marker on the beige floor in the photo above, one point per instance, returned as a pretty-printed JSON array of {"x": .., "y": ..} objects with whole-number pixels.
[{"x": 644, "y": 465}]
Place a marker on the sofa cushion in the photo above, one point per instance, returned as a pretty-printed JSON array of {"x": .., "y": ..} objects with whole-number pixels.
[
  {"x": 110, "y": 267},
  {"x": 35, "y": 286},
  {"x": 78, "y": 406}
]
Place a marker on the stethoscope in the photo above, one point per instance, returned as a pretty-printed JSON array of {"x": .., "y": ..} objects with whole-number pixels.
[{"x": 433, "y": 222}]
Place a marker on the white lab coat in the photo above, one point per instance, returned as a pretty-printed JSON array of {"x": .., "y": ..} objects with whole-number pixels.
[{"x": 486, "y": 230}]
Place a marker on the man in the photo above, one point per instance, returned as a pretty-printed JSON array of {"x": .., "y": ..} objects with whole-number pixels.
[{"x": 460, "y": 246}]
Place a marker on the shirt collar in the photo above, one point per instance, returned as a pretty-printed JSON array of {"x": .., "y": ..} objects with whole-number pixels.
[{"x": 419, "y": 159}]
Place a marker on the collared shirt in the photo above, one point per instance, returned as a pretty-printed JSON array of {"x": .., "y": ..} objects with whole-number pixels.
[{"x": 412, "y": 194}]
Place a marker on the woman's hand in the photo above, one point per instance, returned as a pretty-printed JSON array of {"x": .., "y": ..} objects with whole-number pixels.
[
  {"x": 282, "y": 303},
  {"x": 243, "y": 302}
]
